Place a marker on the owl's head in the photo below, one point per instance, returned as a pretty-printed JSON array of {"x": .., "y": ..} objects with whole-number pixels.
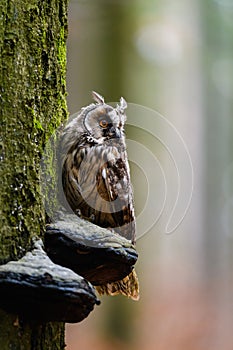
[
  {"x": 97, "y": 123},
  {"x": 103, "y": 122}
]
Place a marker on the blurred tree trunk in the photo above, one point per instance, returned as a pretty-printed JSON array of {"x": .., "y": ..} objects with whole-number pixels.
[
  {"x": 218, "y": 34},
  {"x": 33, "y": 64},
  {"x": 105, "y": 43}
]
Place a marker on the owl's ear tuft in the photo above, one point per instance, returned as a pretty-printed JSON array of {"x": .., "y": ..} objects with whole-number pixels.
[
  {"x": 123, "y": 103},
  {"x": 97, "y": 97},
  {"x": 122, "y": 106}
]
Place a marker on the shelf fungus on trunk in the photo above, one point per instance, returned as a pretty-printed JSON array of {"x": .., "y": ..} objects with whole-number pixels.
[
  {"x": 97, "y": 254},
  {"x": 37, "y": 289}
]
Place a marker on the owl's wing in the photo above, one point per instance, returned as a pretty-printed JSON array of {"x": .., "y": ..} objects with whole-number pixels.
[
  {"x": 99, "y": 189},
  {"x": 114, "y": 187}
]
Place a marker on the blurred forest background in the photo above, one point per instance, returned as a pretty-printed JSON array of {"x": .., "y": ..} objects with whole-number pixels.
[{"x": 176, "y": 57}]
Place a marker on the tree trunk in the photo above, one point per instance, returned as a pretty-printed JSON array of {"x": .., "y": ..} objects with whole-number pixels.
[{"x": 33, "y": 64}]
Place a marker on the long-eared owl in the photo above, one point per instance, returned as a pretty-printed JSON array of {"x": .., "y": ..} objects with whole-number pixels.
[{"x": 96, "y": 176}]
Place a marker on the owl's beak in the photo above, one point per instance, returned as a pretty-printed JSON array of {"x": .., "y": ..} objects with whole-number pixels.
[{"x": 114, "y": 133}]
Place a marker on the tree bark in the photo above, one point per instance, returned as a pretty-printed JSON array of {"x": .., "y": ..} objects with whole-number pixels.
[{"x": 33, "y": 64}]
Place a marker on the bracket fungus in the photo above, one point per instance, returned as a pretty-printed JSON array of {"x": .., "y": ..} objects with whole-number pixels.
[
  {"x": 99, "y": 255},
  {"x": 36, "y": 288}
]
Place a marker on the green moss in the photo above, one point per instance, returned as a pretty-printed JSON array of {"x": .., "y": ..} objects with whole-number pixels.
[
  {"x": 37, "y": 124},
  {"x": 49, "y": 181},
  {"x": 33, "y": 67},
  {"x": 24, "y": 336}
]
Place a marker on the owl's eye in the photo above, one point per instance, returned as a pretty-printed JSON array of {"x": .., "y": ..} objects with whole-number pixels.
[{"x": 103, "y": 123}]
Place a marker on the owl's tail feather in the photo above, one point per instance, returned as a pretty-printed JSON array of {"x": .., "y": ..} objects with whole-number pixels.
[{"x": 128, "y": 286}]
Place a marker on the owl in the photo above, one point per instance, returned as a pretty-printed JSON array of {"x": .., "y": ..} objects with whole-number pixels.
[{"x": 96, "y": 176}]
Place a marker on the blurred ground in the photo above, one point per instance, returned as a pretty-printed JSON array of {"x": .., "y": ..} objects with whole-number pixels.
[{"x": 178, "y": 313}]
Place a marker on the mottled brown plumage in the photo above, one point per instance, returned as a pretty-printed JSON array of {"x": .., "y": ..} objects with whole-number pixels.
[{"x": 96, "y": 177}]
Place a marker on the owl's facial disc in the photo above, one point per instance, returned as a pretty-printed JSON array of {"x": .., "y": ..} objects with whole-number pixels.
[
  {"x": 110, "y": 131},
  {"x": 110, "y": 125},
  {"x": 103, "y": 123}
]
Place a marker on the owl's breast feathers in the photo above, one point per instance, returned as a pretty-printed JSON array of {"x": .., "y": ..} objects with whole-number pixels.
[{"x": 97, "y": 185}]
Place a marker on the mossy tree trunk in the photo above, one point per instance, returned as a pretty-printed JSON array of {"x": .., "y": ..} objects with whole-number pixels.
[{"x": 33, "y": 63}]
